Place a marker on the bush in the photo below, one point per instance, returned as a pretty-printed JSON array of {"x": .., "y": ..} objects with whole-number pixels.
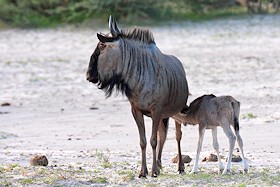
[{"x": 43, "y": 13}]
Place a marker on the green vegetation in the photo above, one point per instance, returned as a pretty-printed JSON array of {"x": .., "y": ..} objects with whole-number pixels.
[
  {"x": 48, "y": 13},
  {"x": 242, "y": 185},
  {"x": 122, "y": 175},
  {"x": 127, "y": 175},
  {"x": 103, "y": 158},
  {"x": 248, "y": 116},
  {"x": 98, "y": 180}
]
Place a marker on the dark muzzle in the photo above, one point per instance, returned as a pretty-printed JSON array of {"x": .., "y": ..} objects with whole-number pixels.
[
  {"x": 92, "y": 74},
  {"x": 91, "y": 78}
]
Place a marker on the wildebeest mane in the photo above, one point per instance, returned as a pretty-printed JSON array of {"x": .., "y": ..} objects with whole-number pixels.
[
  {"x": 115, "y": 81},
  {"x": 130, "y": 55},
  {"x": 139, "y": 34},
  {"x": 194, "y": 106},
  {"x": 135, "y": 59}
]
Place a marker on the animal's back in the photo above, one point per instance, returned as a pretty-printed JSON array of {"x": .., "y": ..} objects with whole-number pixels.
[{"x": 223, "y": 109}]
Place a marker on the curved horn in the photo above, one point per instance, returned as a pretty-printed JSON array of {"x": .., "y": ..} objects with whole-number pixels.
[
  {"x": 113, "y": 27},
  {"x": 116, "y": 26},
  {"x": 110, "y": 24}
]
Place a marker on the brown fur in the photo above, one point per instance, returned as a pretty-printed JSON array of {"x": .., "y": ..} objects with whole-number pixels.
[{"x": 209, "y": 111}]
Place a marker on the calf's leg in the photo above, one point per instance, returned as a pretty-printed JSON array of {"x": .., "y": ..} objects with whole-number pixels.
[
  {"x": 232, "y": 139},
  {"x": 199, "y": 145},
  {"x": 240, "y": 144},
  {"x": 138, "y": 116},
  {"x": 216, "y": 147}
]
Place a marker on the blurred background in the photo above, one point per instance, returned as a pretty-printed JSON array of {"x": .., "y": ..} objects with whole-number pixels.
[{"x": 47, "y": 13}]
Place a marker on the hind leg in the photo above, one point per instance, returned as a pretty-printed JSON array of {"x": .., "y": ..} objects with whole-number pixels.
[
  {"x": 162, "y": 133},
  {"x": 216, "y": 147},
  {"x": 232, "y": 139},
  {"x": 240, "y": 144},
  {"x": 153, "y": 140}
]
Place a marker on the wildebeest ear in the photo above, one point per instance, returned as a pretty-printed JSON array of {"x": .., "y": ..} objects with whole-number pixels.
[{"x": 105, "y": 39}]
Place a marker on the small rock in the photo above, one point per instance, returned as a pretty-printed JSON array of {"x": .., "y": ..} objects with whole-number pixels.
[
  {"x": 39, "y": 160},
  {"x": 235, "y": 158},
  {"x": 6, "y": 104},
  {"x": 185, "y": 159},
  {"x": 93, "y": 108},
  {"x": 211, "y": 158}
]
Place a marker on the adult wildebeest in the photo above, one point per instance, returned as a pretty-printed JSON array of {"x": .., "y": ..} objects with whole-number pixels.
[
  {"x": 210, "y": 112},
  {"x": 154, "y": 83}
]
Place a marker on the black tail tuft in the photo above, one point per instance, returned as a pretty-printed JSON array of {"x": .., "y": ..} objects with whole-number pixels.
[{"x": 236, "y": 124}]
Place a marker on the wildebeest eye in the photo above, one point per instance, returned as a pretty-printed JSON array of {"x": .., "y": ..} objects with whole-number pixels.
[{"x": 102, "y": 45}]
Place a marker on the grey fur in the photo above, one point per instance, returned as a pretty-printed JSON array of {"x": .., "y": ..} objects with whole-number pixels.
[
  {"x": 209, "y": 112},
  {"x": 154, "y": 83}
]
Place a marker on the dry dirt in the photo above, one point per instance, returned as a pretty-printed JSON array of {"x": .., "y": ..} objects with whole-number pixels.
[{"x": 91, "y": 140}]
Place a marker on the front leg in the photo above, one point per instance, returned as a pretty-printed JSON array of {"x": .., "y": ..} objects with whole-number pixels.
[
  {"x": 138, "y": 116},
  {"x": 201, "y": 130}
]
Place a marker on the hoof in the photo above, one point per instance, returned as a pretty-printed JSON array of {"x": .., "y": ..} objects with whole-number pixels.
[
  {"x": 156, "y": 173},
  {"x": 181, "y": 171},
  {"x": 193, "y": 172},
  {"x": 226, "y": 171},
  {"x": 245, "y": 171},
  {"x": 159, "y": 164},
  {"x": 141, "y": 175}
]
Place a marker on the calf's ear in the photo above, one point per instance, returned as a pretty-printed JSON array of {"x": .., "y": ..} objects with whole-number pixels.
[{"x": 105, "y": 39}]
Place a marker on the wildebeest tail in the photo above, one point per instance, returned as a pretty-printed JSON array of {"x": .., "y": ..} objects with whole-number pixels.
[{"x": 236, "y": 110}]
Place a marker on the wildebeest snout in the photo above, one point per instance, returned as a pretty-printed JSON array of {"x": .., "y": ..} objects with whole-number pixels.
[{"x": 90, "y": 77}]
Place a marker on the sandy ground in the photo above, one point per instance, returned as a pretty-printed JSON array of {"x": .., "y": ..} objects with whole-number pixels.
[{"x": 56, "y": 112}]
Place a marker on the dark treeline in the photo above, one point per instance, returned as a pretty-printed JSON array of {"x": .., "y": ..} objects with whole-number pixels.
[{"x": 43, "y": 13}]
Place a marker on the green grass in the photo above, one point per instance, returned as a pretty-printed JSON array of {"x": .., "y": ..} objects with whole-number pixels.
[
  {"x": 248, "y": 116},
  {"x": 98, "y": 180},
  {"x": 127, "y": 175},
  {"x": 26, "y": 181},
  {"x": 123, "y": 175},
  {"x": 103, "y": 158}
]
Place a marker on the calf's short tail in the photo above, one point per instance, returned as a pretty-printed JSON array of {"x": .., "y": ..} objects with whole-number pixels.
[{"x": 236, "y": 109}]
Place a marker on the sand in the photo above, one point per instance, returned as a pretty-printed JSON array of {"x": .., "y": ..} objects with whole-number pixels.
[{"x": 54, "y": 111}]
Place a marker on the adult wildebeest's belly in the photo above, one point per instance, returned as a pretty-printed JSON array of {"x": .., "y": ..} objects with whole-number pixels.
[{"x": 162, "y": 101}]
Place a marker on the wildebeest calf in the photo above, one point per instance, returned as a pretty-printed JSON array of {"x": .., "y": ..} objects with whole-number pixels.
[{"x": 209, "y": 112}]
